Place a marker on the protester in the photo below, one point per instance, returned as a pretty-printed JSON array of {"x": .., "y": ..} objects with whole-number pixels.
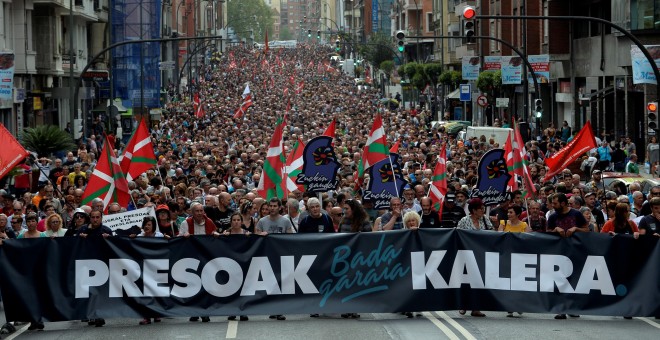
[{"x": 316, "y": 221}]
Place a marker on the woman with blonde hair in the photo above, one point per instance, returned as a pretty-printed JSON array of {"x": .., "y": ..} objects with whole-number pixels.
[
  {"x": 54, "y": 227},
  {"x": 411, "y": 220}
]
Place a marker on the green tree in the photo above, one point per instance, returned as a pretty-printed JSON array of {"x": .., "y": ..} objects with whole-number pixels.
[
  {"x": 413, "y": 68},
  {"x": 387, "y": 66},
  {"x": 47, "y": 139},
  {"x": 433, "y": 71},
  {"x": 250, "y": 15},
  {"x": 489, "y": 81},
  {"x": 451, "y": 78},
  {"x": 377, "y": 49},
  {"x": 285, "y": 34}
]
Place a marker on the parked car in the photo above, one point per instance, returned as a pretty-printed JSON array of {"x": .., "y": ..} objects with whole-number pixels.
[{"x": 620, "y": 180}]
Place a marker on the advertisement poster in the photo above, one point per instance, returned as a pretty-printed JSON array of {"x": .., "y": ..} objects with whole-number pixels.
[
  {"x": 471, "y": 66},
  {"x": 511, "y": 70},
  {"x": 6, "y": 74},
  {"x": 641, "y": 68},
  {"x": 492, "y": 63},
  {"x": 541, "y": 66}
]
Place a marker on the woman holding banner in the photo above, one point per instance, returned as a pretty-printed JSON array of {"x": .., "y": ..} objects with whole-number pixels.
[
  {"x": 236, "y": 228},
  {"x": 355, "y": 220},
  {"x": 475, "y": 221}
]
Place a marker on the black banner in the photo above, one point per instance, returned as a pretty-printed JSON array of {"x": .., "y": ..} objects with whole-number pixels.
[{"x": 74, "y": 278}]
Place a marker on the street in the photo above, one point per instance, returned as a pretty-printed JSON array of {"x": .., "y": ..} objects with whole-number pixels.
[{"x": 431, "y": 325}]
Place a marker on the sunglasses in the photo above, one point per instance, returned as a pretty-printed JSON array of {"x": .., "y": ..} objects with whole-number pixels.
[{"x": 339, "y": 214}]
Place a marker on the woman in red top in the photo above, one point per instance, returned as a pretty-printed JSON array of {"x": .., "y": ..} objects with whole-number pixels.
[{"x": 620, "y": 223}]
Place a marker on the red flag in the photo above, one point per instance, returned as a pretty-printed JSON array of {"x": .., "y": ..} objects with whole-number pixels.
[
  {"x": 197, "y": 106},
  {"x": 11, "y": 153},
  {"x": 247, "y": 102},
  {"x": 375, "y": 150},
  {"x": 330, "y": 131},
  {"x": 107, "y": 182},
  {"x": 581, "y": 143},
  {"x": 299, "y": 87},
  {"x": 438, "y": 188},
  {"x": 285, "y": 92},
  {"x": 395, "y": 147},
  {"x": 139, "y": 154},
  {"x": 266, "y": 42}
]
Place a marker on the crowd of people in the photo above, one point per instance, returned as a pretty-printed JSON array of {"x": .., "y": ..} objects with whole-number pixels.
[{"x": 209, "y": 168}]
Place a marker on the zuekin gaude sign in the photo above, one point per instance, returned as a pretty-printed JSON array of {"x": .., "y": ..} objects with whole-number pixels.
[{"x": 75, "y": 278}]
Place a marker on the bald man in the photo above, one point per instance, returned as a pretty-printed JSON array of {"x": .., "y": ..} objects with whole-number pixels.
[{"x": 220, "y": 213}]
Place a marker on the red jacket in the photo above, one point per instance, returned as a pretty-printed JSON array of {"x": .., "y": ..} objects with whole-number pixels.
[{"x": 209, "y": 226}]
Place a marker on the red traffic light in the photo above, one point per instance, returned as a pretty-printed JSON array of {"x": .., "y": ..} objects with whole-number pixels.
[
  {"x": 469, "y": 13},
  {"x": 652, "y": 106}
]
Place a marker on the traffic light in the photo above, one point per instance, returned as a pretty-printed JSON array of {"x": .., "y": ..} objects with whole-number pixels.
[
  {"x": 400, "y": 36},
  {"x": 318, "y": 34},
  {"x": 309, "y": 33},
  {"x": 468, "y": 24},
  {"x": 337, "y": 45},
  {"x": 652, "y": 111},
  {"x": 538, "y": 107}
]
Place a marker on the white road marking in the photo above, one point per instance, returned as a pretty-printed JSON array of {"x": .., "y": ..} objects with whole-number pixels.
[
  {"x": 650, "y": 322},
  {"x": 448, "y": 332},
  {"x": 456, "y": 325},
  {"x": 18, "y": 332},
  {"x": 232, "y": 329}
]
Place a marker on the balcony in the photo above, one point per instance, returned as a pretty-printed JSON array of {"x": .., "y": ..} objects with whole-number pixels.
[{"x": 411, "y": 5}]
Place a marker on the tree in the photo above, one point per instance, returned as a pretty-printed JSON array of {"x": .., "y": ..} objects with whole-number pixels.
[
  {"x": 377, "y": 49},
  {"x": 489, "y": 82},
  {"x": 433, "y": 71},
  {"x": 413, "y": 68},
  {"x": 285, "y": 34},
  {"x": 387, "y": 66},
  {"x": 250, "y": 15},
  {"x": 46, "y": 140},
  {"x": 451, "y": 78}
]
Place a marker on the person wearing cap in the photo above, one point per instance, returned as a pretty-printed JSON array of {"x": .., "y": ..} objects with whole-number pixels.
[
  {"x": 596, "y": 182},
  {"x": 165, "y": 224},
  {"x": 451, "y": 213},
  {"x": 80, "y": 219}
]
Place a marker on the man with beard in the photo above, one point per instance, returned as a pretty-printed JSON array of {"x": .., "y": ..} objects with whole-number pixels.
[{"x": 430, "y": 217}]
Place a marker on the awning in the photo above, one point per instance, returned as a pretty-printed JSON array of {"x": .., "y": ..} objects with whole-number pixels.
[{"x": 456, "y": 94}]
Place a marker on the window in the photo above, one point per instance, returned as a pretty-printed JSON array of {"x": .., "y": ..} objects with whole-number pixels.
[
  {"x": 644, "y": 14},
  {"x": 430, "y": 27}
]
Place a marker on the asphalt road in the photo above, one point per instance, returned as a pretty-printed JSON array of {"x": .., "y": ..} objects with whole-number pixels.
[{"x": 431, "y": 325}]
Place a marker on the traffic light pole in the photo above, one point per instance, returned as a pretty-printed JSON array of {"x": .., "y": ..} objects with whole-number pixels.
[
  {"x": 630, "y": 36},
  {"x": 103, "y": 51}
]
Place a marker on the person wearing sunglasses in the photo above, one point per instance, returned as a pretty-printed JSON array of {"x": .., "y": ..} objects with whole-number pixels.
[{"x": 79, "y": 220}]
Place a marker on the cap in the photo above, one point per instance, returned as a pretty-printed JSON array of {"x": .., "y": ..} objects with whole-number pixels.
[
  {"x": 162, "y": 207},
  {"x": 596, "y": 172},
  {"x": 141, "y": 201},
  {"x": 591, "y": 193}
]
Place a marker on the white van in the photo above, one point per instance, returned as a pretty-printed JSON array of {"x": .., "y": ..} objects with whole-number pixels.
[{"x": 499, "y": 134}]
